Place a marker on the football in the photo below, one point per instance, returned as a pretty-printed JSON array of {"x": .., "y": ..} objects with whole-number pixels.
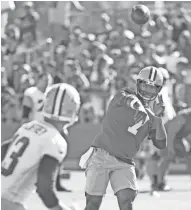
[{"x": 140, "y": 14}]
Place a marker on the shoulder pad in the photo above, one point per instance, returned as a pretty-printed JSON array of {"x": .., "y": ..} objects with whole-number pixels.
[{"x": 29, "y": 91}]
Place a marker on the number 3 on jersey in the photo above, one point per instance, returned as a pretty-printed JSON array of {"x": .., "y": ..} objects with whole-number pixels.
[
  {"x": 134, "y": 128},
  {"x": 15, "y": 152}
]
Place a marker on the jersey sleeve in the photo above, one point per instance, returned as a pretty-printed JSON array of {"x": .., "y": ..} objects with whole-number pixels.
[
  {"x": 56, "y": 147},
  {"x": 28, "y": 92},
  {"x": 127, "y": 97}
]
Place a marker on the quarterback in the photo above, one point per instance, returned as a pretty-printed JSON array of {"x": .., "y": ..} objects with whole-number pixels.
[
  {"x": 36, "y": 151},
  {"x": 128, "y": 121}
]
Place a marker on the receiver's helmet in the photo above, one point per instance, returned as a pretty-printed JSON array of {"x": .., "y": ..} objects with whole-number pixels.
[{"x": 62, "y": 103}]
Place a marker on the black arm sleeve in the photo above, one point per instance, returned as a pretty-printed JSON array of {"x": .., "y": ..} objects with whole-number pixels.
[
  {"x": 46, "y": 178},
  {"x": 26, "y": 112}
]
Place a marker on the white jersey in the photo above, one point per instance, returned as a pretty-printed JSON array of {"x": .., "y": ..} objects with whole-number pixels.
[
  {"x": 19, "y": 168},
  {"x": 37, "y": 97}
]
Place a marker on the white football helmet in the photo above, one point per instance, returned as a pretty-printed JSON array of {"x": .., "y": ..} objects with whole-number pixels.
[
  {"x": 62, "y": 103},
  {"x": 149, "y": 77}
]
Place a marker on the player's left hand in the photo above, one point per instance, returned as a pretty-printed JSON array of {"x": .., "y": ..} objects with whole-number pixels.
[{"x": 159, "y": 107}]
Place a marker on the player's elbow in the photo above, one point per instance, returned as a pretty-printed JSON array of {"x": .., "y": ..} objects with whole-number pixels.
[
  {"x": 160, "y": 144},
  {"x": 42, "y": 189}
]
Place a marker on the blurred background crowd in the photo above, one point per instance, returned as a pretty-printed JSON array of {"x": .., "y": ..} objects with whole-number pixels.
[{"x": 93, "y": 46}]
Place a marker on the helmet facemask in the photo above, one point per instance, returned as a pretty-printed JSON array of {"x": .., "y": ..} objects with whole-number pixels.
[{"x": 148, "y": 90}]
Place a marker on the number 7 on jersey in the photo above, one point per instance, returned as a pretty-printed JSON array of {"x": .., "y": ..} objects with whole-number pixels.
[{"x": 134, "y": 128}]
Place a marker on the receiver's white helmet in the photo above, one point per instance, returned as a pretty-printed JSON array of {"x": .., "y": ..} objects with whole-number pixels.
[{"x": 62, "y": 103}]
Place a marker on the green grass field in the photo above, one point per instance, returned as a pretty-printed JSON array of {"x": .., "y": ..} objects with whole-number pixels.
[{"x": 178, "y": 199}]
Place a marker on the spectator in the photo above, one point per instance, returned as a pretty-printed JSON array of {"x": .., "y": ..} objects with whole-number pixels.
[
  {"x": 105, "y": 28},
  {"x": 28, "y": 22},
  {"x": 179, "y": 25},
  {"x": 98, "y": 77},
  {"x": 87, "y": 114},
  {"x": 114, "y": 40},
  {"x": 26, "y": 44},
  {"x": 184, "y": 44},
  {"x": 75, "y": 76},
  {"x": 11, "y": 40},
  {"x": 75, "y": 47},
  {"x": 36, "y": 70},
  {"x": 9, "y": 101},
  {"x": 98, "y": 49},
  {"x": 18, "y": 72},
  {"x": 86, "y": 63}
]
